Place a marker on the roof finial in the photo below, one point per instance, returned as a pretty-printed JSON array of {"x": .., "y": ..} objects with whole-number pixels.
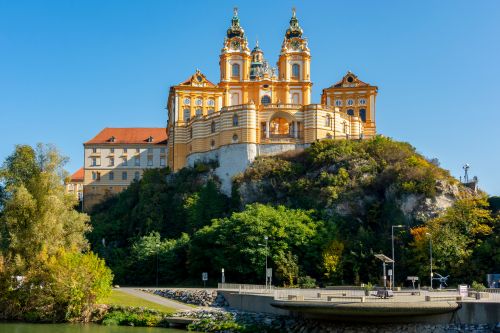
[
  {"x": 257, "y": 42},
  {"x": 235, "y": 11},
  {"x": 293, "y": 11}
]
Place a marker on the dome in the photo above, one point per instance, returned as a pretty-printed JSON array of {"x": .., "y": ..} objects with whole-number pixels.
[
  {"x": 235, "y": 30},
  {"x": 294, "y": 30}
]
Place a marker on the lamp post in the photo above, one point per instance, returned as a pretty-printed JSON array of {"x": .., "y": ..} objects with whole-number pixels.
[
  {"x": 157, "y": 263},
  {"x": 266, "y": 238},
  {"x": 393, "y": 259},
  {"x": 430, "y": 253}
]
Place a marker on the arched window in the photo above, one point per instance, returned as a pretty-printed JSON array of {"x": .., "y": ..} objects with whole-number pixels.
[
  {"x": 212, "y": 127},
  {"x": 362, "y": 114},
  {"x": 199, "y": 112},
  {"x": 235, "y": 138},
  {"x": 328, "y": 121},
  {"x": 235, "y": 120},
  {"x": 265, "y": 99},
  {"x": 295, "y": 98},
  {"x": 187, "y": 114},
  {"x": 235, "y": 70},
  {"x": 296, "y": 71},
  {"x": 350, "y": 112}
]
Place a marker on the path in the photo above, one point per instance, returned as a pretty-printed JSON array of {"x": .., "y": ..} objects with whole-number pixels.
[{"x": 157, "y": 299}]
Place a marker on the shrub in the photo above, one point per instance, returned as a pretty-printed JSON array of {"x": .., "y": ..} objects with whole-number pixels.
[
  {"x": 477, "y": 286},
  {"x": 306, "y": 282}
]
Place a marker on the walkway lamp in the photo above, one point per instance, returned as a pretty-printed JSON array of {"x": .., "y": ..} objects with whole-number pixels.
[
  {"x": 157, "y": 262},
  {"x": 430, "y": 253},
  {"x": 265, "y": 238},
  {"x": 393, "y": 258}
]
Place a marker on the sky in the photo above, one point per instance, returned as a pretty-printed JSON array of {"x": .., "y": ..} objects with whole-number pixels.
[{"x": 70, "y": 68}]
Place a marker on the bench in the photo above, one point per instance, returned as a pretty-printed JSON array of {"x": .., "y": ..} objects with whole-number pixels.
[
  {"x": 295, "y": 297},
  {"x": 320, "y": 295},
  {"x": 360, "y": 298},
  {"x": 409, "y": 292},
  {"x": 384, "y": 293},
  {"x": 441, "y": 297}
]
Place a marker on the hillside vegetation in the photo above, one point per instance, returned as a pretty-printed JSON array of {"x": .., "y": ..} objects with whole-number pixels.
[{"x": 326, "y": 211}]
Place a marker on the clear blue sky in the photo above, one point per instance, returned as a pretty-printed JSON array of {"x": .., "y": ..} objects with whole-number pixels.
[{"x": 70, "y": 68}]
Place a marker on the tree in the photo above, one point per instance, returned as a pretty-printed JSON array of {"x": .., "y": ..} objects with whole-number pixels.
[
  {"x": 42, "y": 240},
  {"x": 237, "y": 242}
]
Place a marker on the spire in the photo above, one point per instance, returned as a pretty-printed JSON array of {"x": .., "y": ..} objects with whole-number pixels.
[
  {"x": 294, "y": 30},
  {"x": 235, "y": 30},
  {"x": 256, "y": 48}
]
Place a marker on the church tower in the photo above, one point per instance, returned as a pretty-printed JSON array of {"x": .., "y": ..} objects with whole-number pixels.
[
  {"x": 235, "y": 62},
  {"x": 294, "y": 64}
]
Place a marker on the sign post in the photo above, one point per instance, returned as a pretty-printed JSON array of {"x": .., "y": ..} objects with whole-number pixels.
[
  {"x": 412, "y": 279},
  {"x": 269, "y": 277},
  {"x": 223, "y": 278},
  {"x": 204, "y": 277}
]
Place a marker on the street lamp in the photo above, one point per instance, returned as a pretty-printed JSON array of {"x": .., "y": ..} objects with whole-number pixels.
[
  {"x": 430, "y": 253},
  {"x": 394, "y": 259},
  {"x": 265, "y": 238},
  {"x": 157, "y": 263}
]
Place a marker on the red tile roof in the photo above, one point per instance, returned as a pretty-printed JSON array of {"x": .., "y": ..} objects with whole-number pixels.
[
  {"x": 130, "y": 135},
  {"x": 77, "y": 176}
]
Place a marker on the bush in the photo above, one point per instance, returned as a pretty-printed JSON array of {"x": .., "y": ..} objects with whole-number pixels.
[
  {"x": 306, "y": 282},
  {"x": 130, "y": 316},
  {"x": 477, "y": 286}
]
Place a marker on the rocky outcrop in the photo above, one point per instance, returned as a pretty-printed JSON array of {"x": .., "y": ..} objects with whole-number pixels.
[{"x": 191, "y": 296}]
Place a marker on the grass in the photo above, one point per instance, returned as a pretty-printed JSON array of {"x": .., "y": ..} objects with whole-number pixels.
[{"x": 118, "y": 297}]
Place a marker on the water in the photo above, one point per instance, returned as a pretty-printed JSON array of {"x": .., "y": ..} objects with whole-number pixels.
[{"x": 78, "y": 328}]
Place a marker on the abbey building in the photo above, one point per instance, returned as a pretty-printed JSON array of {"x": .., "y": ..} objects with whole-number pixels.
[{"x": 256, "y": 109}]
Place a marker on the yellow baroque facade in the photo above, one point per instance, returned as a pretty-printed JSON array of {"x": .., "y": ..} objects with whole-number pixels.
[{"x": 258, "y": 110}]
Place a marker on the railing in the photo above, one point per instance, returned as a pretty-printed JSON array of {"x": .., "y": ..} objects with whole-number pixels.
[
  {"x": 281, "y": 106},
  {"x": 246, "y": 288}
]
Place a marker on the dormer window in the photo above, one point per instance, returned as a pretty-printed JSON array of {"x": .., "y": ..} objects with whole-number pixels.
[
  {"x": 150, "y": 139},
  {"x": 112, "y": 139}
]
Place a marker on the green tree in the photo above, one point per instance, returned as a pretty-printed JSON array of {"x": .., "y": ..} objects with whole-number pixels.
[
  {"x": 42, "y": 239},
  {"x": 237, "y": 242}
]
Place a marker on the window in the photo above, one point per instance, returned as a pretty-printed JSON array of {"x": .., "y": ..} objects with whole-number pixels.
[
  {"x": 199, "y": 112},
  {"x": 162, "y": 150},
  {"x": 111, "y": 161},
  {"x": 212, "y": 127},
  {"x": 235, "y": 99},
  {"x": 98, "y": 176},
  {"x": 150, "y": 150},
  {"x": 150, "y": 161},
  {"x": 296, "y": 71},
  {"x": 94, "y": 161},
  {"x": 350, "y": 102},
  {"x": 187, "y": 101},
  {"x": 124, "y": 175},
  {"x": 350, "y": 112},
  {"x": 212, "y": 144},
  {"x": 362, "y": 114},
  {"x": 94, "y": 176},
  {"x": 162, "y": 161},
  {"x": 137, "y": 161},
  {"x": 295, "y": 98},
  {"x": 328, "y": 121},
  {"x": 199, "y": 101},
  {"x": 94, "y": 150},
  {"x": 350, "y": 79},
  {"x": 112, "y": 150},
  {"x": 235, "y": 120},
  {"x": 235, "y": 70},
  {"x": 338, "y": 102},
  {"x": 265, "y": 99},
  {"x": 111, "y": 175},
  {"x": 211, "y": 102},
  {"x": 124, "y": 150},
  {"x": 235, "y": 138},
  {"x": 362, "y": 101},
  {"x": 137, "y": 175},
  {"x": 187, "y": 114},
  {"x": 124, "y": 161}
]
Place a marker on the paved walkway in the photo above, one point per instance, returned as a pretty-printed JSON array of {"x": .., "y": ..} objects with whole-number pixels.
[{"x": 157, "y": 299}]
